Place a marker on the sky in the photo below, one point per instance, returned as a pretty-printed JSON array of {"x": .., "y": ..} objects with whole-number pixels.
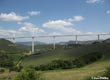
[{"x": 54, "y": 17}]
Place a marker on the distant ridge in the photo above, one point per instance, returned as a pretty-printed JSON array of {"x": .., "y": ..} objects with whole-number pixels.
[
  {"x": 29, "y": 43},
  {"x": 79, "y": 42},
  {"x": 107, "y": 40}
]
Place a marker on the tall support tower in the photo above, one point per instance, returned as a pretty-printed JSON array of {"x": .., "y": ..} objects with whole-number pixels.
[
  {"x": 33, "y": 45},
  {"x": 54, "y": 45}
]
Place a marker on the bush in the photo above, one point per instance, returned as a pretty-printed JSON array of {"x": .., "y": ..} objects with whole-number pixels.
[
  {"x": 27, "y": 74},
  {"x": 5, "y": 60},
  {"x": 2, "y": 70},
  {"x": 108, "y": 72},
  {"x": 89, "y": 58}
]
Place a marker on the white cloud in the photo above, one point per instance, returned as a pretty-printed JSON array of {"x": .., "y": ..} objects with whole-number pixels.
[
  {"x": 64, "y": 26},
  {"x": 7, "y": 33},
  {"x": 94, "y": 1},
  {"x": 3, "y": 32},
  {"x": 58, "y": 24},
  {"x": 53, "y": 33},
  {"x": 29, "y": 27},
  {"x": 76, "y": 18},
  {"x": 12, "y": 17},
  {"x": 26, "y": 29},
  {"x": 34, "y": 13},
  {"x": 108, "y": 12}
]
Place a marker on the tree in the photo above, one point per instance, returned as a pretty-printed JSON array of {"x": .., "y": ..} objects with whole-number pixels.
[
  {"x": 27, "y": 74},
  {"x": 5, "y": 60},
  {"x": 108, "y": 72}
]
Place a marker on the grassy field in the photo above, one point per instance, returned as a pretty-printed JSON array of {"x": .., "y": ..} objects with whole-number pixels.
[{"x": 96, "y": 69}]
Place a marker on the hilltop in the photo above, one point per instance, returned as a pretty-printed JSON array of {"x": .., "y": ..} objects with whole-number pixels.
[
  {"x": 29, "y": 43},
  {"x": 13, "y": 50},
  {"x": 10, "y": 47}
]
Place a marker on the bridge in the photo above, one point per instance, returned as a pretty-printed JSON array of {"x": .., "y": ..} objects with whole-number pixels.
[{"x": 77, "y": 38}]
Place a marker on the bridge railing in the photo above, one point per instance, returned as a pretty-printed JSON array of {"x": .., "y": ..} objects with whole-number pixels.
[{"x": 53, "y": 39}]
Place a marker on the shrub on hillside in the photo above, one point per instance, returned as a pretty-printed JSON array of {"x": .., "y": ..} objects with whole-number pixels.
[
  {"x": 108, "y": 72},
  {"x": 2, "y": 70},
  {"x": 27, "y": 74},
  {"x": 5, "y": 60},
  {"x": 89, "y": 58}
]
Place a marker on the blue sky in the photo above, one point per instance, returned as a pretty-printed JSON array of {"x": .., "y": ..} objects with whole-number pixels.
[{"x": 54, "y": 17}]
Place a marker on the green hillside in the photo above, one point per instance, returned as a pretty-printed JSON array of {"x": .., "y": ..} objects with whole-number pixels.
[
  {"x": 68, "y": 52},
  {"x": 14, "y": 51},
  {"x": 61, "y": 52},
  {"x": 9, "y": 47}
]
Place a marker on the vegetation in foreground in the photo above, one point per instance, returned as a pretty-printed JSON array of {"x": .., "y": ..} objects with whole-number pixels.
[
  {"x": 107, "y": 74},
  {"x": 27, "y": 74},
  {"x": 97, "y": 68}
]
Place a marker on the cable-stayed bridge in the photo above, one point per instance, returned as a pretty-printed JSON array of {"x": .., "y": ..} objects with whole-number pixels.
[{"x": 77, "y": 38}]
